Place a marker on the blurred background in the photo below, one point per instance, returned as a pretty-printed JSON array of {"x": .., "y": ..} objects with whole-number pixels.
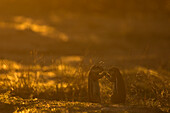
[
  {"x": 48, "y": 46},
  {"x": 123, "y": 33}
]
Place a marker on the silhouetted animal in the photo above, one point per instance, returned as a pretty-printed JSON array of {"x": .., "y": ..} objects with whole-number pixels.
[
  {"x": 93, "y": 84},
  {"x": 119, "y": 92}
]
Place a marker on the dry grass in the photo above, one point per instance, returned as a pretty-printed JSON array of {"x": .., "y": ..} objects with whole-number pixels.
[{"x": 63, "y": 82}]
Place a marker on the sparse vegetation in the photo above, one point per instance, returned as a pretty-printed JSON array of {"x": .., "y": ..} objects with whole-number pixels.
[
  {"x": 48, "y": 46},
  {"x": 25, "y": 86}
]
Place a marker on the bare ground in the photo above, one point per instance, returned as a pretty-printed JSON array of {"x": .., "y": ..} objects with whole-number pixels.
[{"x": 16, "y": 105}]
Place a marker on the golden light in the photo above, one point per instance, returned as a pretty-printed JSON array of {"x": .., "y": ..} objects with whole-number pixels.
[
  {"x": 23, "y": 23},
  {"x": 4, "y": 66},
  {"x": 68, "y": 59}
]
